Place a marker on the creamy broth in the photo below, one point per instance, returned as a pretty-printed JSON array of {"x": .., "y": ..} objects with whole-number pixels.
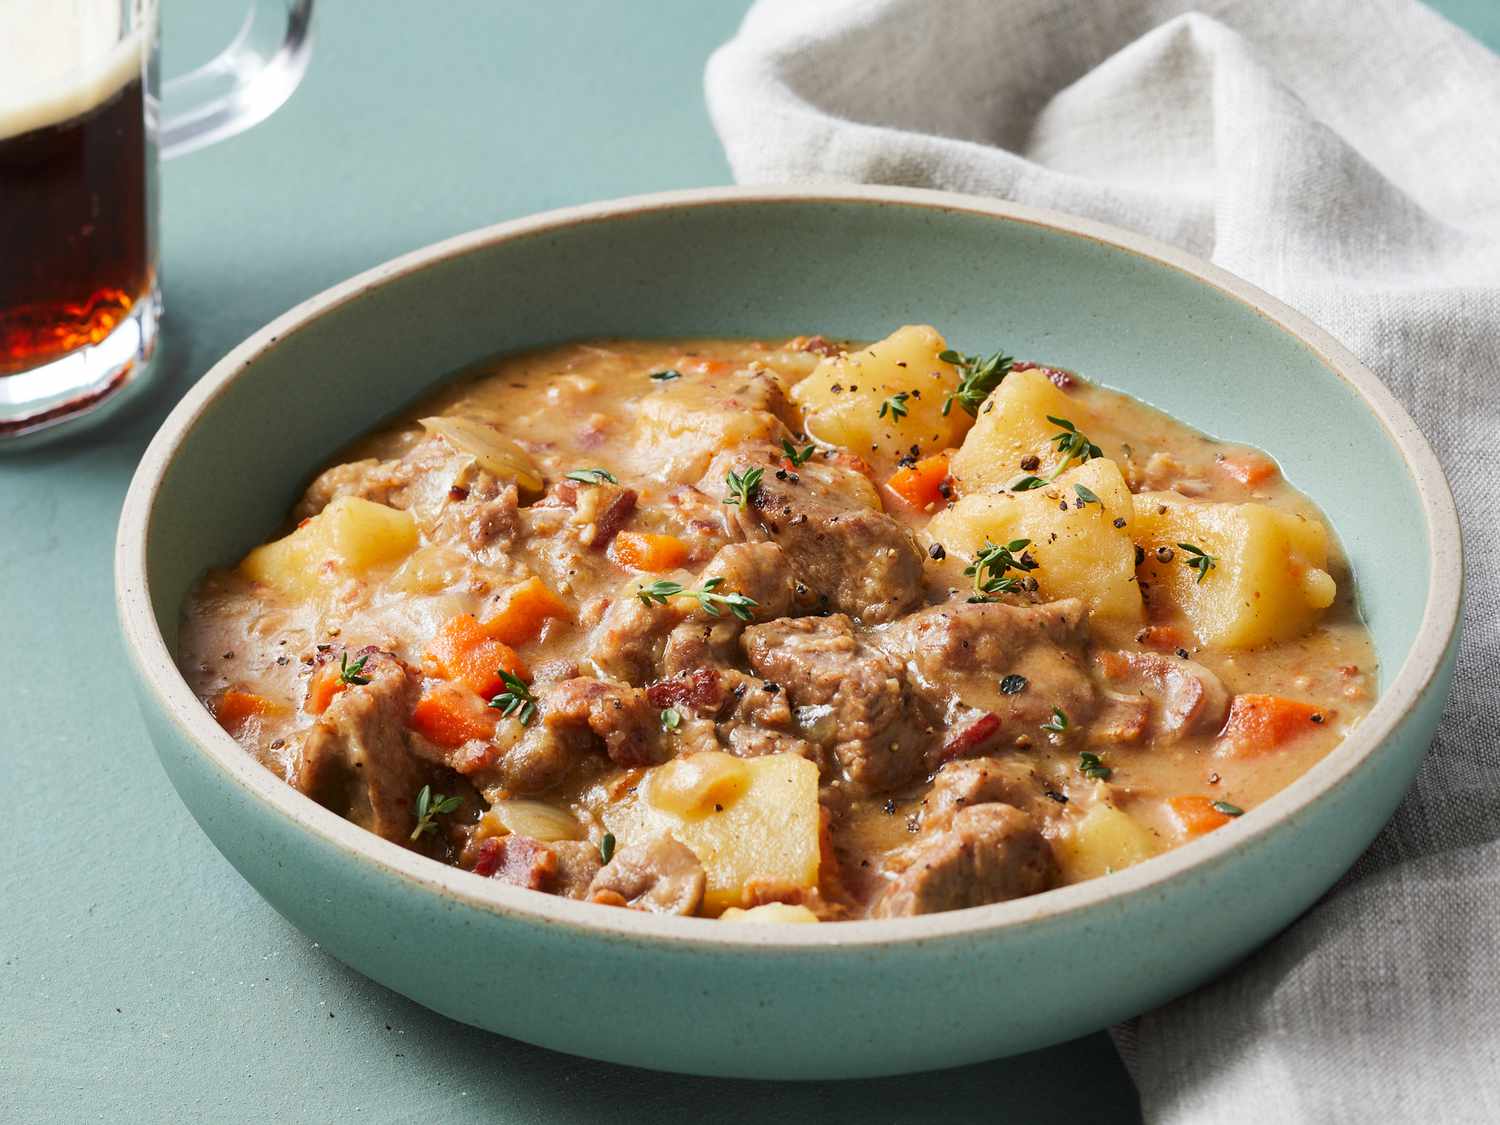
[{"x": 667, "y": 422}]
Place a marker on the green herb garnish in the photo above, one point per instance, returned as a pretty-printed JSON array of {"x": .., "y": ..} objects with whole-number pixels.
[
  {"x": 1086, "y": 495},
  {"x": 671, "y": 719},
  {"x": 1200, "y": 560},
  {"x": 1073, "y": 445},
  {"x": 989, "y": 567},
  {"x": 664, "y": 376},
  {"x": 797, "y": 458},
  {"x": 607, "y": 847},
  {"x": 741, "y": 485},
  {"x": 708, "y": 597},
  {"x": 895, "y": 406},
  {"x": 429, "y": 807},
  {"x": 1227, "y": 809},
  {"x": 1058, "y": 724},
  {"x": 977, "y": 378},
  {"x": 1027, "y": 483},
  {"x": 592, "y": 476},
  {"x": 516, "y": 699},
  {"x": 353, "y": 673},
  {"x": 1091, "y": 767},
  {"x": 1013, "y": 684}
]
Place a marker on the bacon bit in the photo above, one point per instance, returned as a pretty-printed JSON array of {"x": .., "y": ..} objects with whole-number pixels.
[
  {"x": 818, "y": 345},
  {"x": 518, "y": 860},
  {"x": 971, "y": 737},
  {"x": 458, "y": 492},
  {"x": 613, "y": 518},
  {"x": 699, "y": 687},
  {"x": 303, "y": 522},
  {"x": 563, "y": 494},
  {"x": 593, "y": 432}
]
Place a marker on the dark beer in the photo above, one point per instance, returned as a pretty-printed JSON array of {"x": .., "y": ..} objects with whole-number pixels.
[{"x": 76, "y": 228}]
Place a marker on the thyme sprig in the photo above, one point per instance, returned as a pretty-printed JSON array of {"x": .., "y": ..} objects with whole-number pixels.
[
  {"x": 429, "y": 807},
  {"x": 516, "y": 699},
  {"x": 1072, "y": 444},
  {"x": 990, "y": 565},
  {"x": 794, "y": 455},
  {"x": 1199, "y": 559},
  {"x": 1090, "y": 765},
  {"x": 713, "y": 602},
  {"x": 977, "y": 378},
  {"x": 353, "y": 673},
  {"x": 742, "y": 486},
  {"x": 593, "y": 476},
  {"x": 895, "y": 406}
]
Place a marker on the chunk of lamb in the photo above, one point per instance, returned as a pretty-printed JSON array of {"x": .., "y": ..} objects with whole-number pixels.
[
  {"x": 980, "y": 781},
  {"x": 848, "y": 695},
  {"x": 658, "y": 875},
  {"x": 544, "y": 755},
  {"x": 960, "y": 653},
  {"x": 849, "y": 555},
  {"x": 578, "y": 863},
  {"x": 1184, "y": 697},
  {"x": 988, "y": 853},
  {"x": 640, "y": 643},
  {"x": 355, "y": 759},
  {"x": 620, "y": 716},
  {"x": 757, "y": 570}
]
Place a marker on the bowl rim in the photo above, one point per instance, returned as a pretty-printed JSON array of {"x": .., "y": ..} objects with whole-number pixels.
[{"x": 1408, "y": 685}]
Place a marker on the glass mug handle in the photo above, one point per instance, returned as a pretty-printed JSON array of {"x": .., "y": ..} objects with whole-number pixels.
[{"x": 242, "y": 85}]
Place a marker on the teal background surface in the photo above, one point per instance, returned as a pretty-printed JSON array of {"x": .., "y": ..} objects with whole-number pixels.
[{"x": 140, "y": 977}]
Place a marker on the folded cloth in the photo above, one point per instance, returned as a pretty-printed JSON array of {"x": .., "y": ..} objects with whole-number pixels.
[{"x": 1346, "y": 157}]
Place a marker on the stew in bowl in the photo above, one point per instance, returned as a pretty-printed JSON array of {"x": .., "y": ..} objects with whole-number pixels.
[{"x": 787, "y": 630}]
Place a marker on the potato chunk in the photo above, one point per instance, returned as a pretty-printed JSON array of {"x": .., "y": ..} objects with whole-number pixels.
[
  {"x": 768, "y": 832},
  {"x": 1011, "y": 426},
  {"x": 347, "y": 538},
  {"x": 1104, "y": 839},
  {"x": 1079, "y": 550},
  {"x": 682, "y": 423},
  {"x": 841, "y": 400},
  {"x": 1268, "y": 582}
]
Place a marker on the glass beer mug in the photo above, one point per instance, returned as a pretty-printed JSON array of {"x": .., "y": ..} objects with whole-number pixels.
[{"x": 81, "y": 130}]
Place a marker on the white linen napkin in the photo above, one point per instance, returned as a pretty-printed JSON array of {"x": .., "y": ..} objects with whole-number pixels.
[{"x": 1346, "y": 157}]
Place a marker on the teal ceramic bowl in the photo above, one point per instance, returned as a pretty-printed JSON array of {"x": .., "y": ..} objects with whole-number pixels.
[{"x": 851, "y": 999}]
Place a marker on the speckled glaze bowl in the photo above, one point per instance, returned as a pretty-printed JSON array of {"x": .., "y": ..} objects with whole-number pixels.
[{"x": 849, "y": 999}]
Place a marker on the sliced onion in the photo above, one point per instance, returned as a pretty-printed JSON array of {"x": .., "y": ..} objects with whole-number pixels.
[
  {"x": 536, "y": 819},
  {"x": 493, "y": 451}
]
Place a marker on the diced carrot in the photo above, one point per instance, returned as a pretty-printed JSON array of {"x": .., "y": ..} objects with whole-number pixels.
[
  {"x": 700, "y": 365},
  {"x": 1196, "y": 814},
  {"x": 1258, "y": 724},
  {"x": 1162, "y": 638},
  {"x": 324, "y": 685},
  {"x": 920, "y": 484},
  {"x": 463, "y": 651},
  {"x": 1248, "y": 467},
  {"x": 524, "y": 611},
  {"x": 449, "y": 717},
  {"x": 640, "y": 550},
  {"x": 234, "y": 708}
]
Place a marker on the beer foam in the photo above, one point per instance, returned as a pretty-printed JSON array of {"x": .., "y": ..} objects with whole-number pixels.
[{"x": 61, "y": 58}]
